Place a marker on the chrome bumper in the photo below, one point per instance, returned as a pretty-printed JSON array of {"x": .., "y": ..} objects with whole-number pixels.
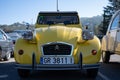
[{"x": 35, "y": 66}]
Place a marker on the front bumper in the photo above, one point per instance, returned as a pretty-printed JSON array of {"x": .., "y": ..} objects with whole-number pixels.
[{"x": 35, "y": 66}]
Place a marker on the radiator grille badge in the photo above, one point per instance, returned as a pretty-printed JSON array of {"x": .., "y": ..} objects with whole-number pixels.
[{"x": 56, "y": 47}]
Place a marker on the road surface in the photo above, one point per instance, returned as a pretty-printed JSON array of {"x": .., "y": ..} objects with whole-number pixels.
[{"x": 109, "y": 71}]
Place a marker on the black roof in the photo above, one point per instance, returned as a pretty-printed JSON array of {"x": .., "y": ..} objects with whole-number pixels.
[{"x": 59, "y": 13}]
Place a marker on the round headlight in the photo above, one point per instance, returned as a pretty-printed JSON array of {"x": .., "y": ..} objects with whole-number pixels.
[{"x": 28, "y": 35}]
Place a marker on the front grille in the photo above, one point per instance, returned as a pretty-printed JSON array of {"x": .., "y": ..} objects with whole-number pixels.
[{"x": 57, "y": 49}]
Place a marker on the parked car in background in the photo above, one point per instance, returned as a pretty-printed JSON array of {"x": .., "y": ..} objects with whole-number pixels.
[
  {"x": 111, "y": 41},
  {"x": 14, "y": 36},
  {"x": 5, "y": 46},
  {"x": 20, "y": 32},
  {"x": 57, "y": 43},
  {"x": 100, "y": 36}
]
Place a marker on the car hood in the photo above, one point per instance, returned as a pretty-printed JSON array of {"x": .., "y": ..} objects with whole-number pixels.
[{"x": 58, "y": 34}]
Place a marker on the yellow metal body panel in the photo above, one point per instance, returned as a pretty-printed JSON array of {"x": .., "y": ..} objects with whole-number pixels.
[{"x": 58, "y": 33}]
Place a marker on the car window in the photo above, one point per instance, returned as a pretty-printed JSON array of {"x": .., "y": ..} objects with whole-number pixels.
[
  {"x": 2, "y": 36},
  {"x": 115, "y": 22}
]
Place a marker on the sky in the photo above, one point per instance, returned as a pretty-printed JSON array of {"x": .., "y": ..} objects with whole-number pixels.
[{"x": 12, "y": 11}]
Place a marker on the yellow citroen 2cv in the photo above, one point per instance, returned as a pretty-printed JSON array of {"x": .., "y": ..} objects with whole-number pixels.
[{"x": 58, "y": 42}]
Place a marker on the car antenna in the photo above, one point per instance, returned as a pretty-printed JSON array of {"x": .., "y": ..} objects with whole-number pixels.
[{"x": 57, "y": 6}]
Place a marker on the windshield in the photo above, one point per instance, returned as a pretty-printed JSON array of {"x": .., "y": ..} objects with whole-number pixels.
[{"x": 58, "y": 19}]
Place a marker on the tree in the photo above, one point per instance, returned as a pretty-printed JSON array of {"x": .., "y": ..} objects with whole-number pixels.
[
  {"x": 109, "y": 10},
  {"x": 116, "y": 4}
]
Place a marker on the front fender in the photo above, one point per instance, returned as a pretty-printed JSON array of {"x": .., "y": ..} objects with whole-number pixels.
[
  {"x": 104, "y": 46},
  {"x": 86, "y": 48},
  {"x": 28, "y": 48}
]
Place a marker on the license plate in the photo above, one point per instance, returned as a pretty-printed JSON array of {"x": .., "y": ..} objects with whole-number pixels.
[{"x": 57, "y": 60}]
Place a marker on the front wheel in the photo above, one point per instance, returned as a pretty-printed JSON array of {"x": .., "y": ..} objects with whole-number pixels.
[
  {"x": 23, "y": 73},
  {"x": 105, "y": 56}
]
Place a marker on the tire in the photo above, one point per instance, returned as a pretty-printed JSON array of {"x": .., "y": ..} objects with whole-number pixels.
[
  {"x": 23, "y": 73},
  {"x": 92, "y": 72},
  {"x": 105, "y": 56},
  {"x": 12, "y": 54},
  {"x": 7, "y": 56}
]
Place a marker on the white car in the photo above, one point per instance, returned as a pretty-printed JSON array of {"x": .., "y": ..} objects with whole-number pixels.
[
  {"x": 5, "y": 46},
  {"x": 14, "y": 36},
  {"x": 111, "y": 41}
]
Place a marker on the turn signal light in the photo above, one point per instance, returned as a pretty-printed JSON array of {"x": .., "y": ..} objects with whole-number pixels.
[
  {"x": 94, "y": 52},
  {"x": 20, "y": 52}
]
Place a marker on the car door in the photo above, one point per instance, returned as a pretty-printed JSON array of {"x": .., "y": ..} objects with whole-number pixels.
[
  {"x": 113, "y": 31},
  {"x": 117, "y": 42}
]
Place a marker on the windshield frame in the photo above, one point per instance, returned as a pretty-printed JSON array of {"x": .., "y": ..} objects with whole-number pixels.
[{"x": 59, "y": 18}]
